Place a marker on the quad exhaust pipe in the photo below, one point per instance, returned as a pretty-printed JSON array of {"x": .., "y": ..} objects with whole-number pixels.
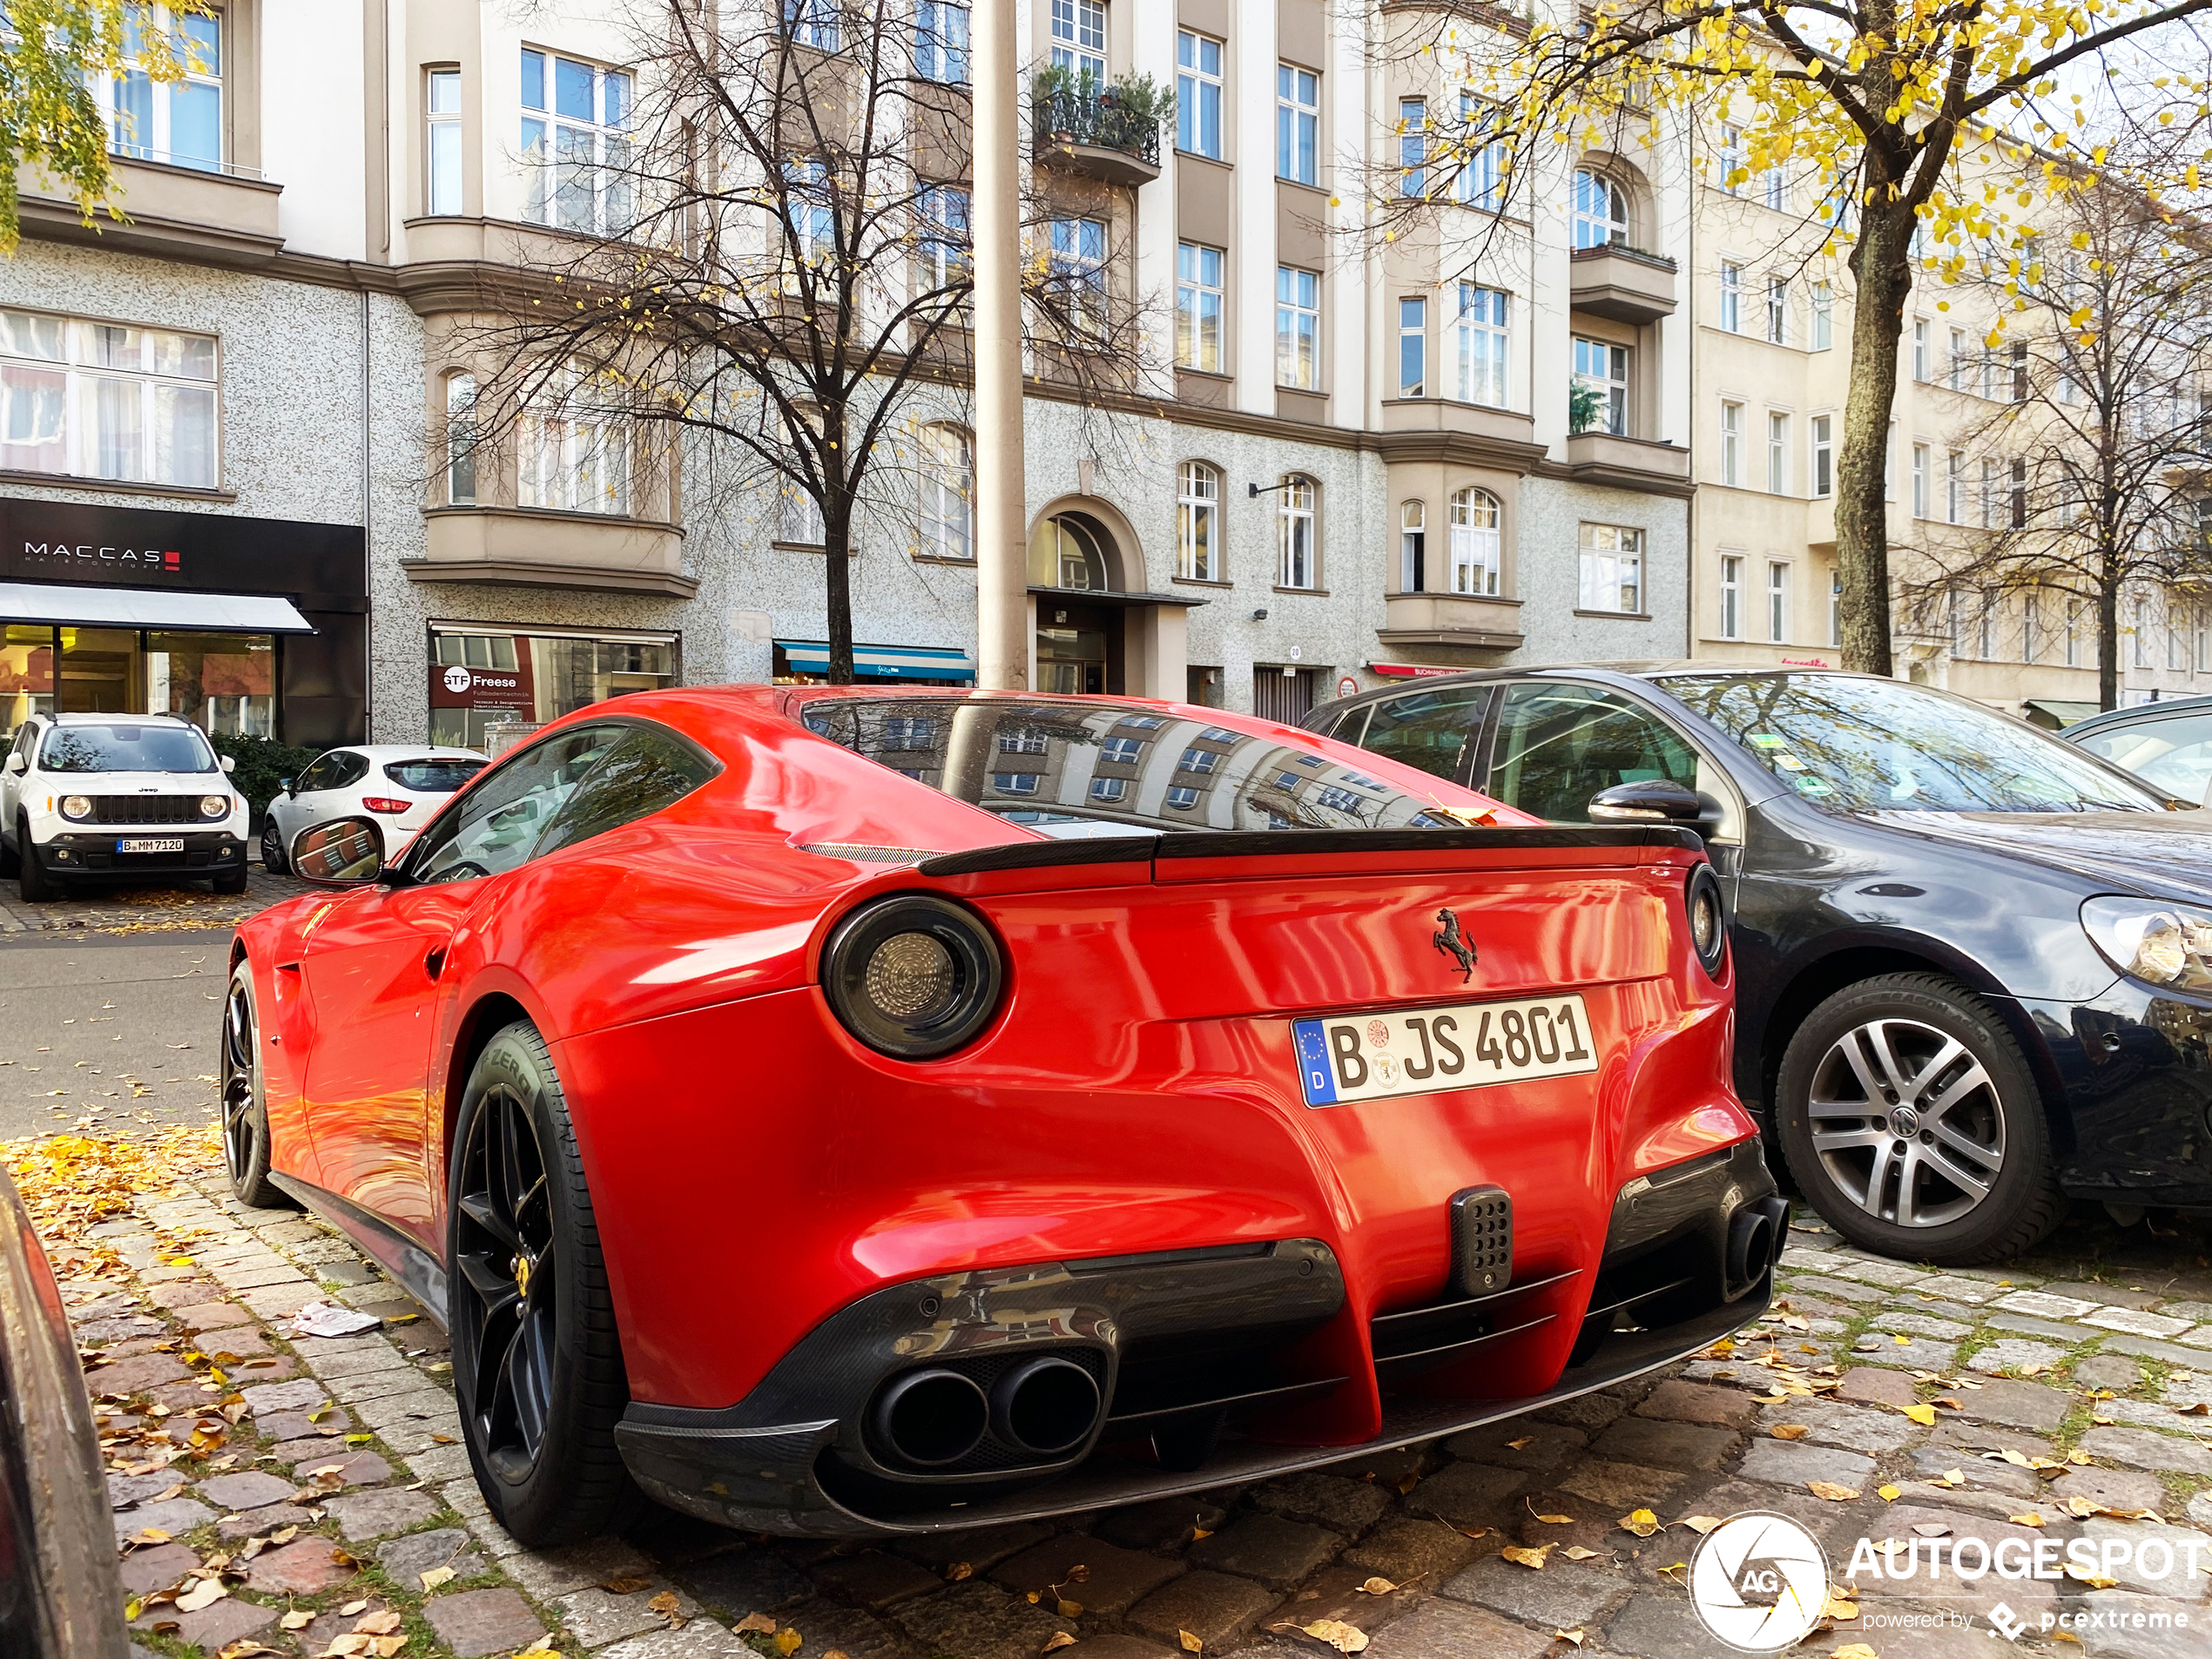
[{"x": 1045, "y": 1407}]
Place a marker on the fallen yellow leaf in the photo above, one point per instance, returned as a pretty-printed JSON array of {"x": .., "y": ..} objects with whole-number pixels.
[
  {"x": 1830, "y": 1491},
  {"x": 1377, "y": 1587},
  {"x": 1060, "y": 1639},
  {"x": 1575, "y": 1637},
  {"x": 1576, "y": 1552},
  {"x": 1556, "y": 1520},
  {"x": 1924, "y": 1415},
  {"x": 1789, "y": 1431},
  {"x": 1854, "y": 1650},
  {"x": 1642, "y": 1522},
  {"x": 1527, "y": 1557},
  {"x": 1344, "y": 1638},
  {"x": 1190, "y": 1644},
  {"x": 1699, "y": 1524},
  {"x": 759, "y": 1622},
  {"x": 2031, "y": 1519},
  {"x": 788, "y": 1642}
]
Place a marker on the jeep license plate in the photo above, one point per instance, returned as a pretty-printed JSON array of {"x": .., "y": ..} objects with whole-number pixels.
[{"x": 150, "y": 844}]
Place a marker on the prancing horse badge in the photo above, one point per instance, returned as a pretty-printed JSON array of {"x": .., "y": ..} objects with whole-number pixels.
[{"x": 1452, "y": 944}]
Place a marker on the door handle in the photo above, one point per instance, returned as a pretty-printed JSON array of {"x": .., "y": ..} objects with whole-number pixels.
[{"x": 434, "y": 963}]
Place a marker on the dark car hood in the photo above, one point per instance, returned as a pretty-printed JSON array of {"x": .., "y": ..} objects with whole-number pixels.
[{"x": 2166, "y": 853}]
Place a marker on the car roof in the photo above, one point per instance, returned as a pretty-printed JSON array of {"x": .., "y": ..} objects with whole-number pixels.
[
  {"x": 2165, "y": 708},
  {"x": 77, "y": 718},
  {"x": 1641, "y": 668},
  {"x": 407, "y": 751}
]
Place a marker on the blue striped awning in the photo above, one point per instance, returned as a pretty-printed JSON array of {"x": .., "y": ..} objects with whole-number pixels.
[{"x": 883, "y": 662}]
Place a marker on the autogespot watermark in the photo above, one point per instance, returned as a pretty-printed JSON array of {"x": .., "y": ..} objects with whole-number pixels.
[{"x": 1760, "y": 1582}]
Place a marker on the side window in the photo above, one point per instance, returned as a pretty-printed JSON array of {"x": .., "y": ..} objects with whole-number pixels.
[
  {"x": 26, "y": 740},
  {"x": 1557, "y": 746},
  {"x": 1428, "y": 730},
  {"x": 346, "y": 770},
  {"x": 2176, "y": 754},
  {"x": 319, "y": 775},
  {"x": 648, "y": 770},
  {"x": 494, "y": 827}
]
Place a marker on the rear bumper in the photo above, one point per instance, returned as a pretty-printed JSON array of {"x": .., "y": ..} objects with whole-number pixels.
[
  {"x": 1205, "y": 1361},
  {"x": 87, "y": 853}
]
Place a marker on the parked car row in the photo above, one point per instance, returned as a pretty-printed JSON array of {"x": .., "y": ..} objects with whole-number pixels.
[{"x": 1183, "y": 1098}]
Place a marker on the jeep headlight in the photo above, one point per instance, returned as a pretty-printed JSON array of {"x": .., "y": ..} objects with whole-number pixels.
[
  {"x": 79, "y": 807},
  {"x": 214, "y": 805},
  {"x": 2162, "y": 944}
]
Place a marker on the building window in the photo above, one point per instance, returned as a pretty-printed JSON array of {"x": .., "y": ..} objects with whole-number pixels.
[
  {"x": 812, "y": 23},
  {"x": 442, "y": 148},
  {"x": 1120, "y": 752},
  {"x": 810, "y": 219},
  {"x": 1297, "y": 124},
  {"x": 461, "y": 440},
  {"x": 1482, "y": 345},
  {"x": 2019, "y": 371},
  {"x": 1777, "y": 602},
  {"x": 1989, "y": 375},
  {"x": 947, "y": 260},
  {"x": 1197, "y": 517},
  {"x": 1015, "y": 783},
  {"x": 2173, "y": 638},
  {"x": 1612, "y": 569},
  {"x": 97, "y": 400},
  {"x": 1778, "y": 189},
  {"x": 2201, "y": 661},
  {"x": 1197, "y": 94},
  {"x": 1836, "y": 609},
  {"x": 1476, "y": 561},
  {"x": 2071, "y": 628},
  {"x": 1294, "y": 522},
  {"x": 1413, "y": 347},
  {"x": 948, "y": 493},
  {"x": 1777, "y": 454},
  {"x": 574, "y": 458},
  {"x": 1079, "y": 271},
  {"x": 1731, "y": 595},
  {"x": 1197, "y": 307},
  {"x": 1413, "y": 146},
  {"x": 1956, "y": 365},
  {"x": 1955, "y": 486},
  {"x": 1919, "y": 481},
  {"x": 1079, "y": 38},
  {"x": 1413, "y": 547},
  {"x": 1298, "y": 328},
  {"x": 1181, "y": 797},
  {"x": 1823, "y": 316},
  {"x": 2016, "y": 502},
  {"x": 1777, "y": 309},
  {"x": 1604, "y": 367},
  {"x": 1824, "y": 457},
  {"x": 179, "y": 122},
  {"x": 1201, "y": 762},
  {"x": 940, "y": 43},
  {"x": 576, "y": 154},
  {"x": 1483, "y": 175},
  {"x": 1920, "y": 350},
  {"x": 1988, "y": 494},
  {"x": 1600, "y": 210},
  {"x": 1732, "y": 298},
  {"x": 1985, "y": 629},
  {"x": 1733, "y": 170},
  {"x": 1731, "y": 443}
]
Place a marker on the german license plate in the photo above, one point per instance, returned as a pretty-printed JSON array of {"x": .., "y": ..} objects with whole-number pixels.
[
  {"x": 1379, "y": 1057},
  {"x": 150, "y": 844}
]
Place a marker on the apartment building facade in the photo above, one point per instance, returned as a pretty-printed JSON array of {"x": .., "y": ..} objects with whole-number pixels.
[{"x": 226, "y": 490}]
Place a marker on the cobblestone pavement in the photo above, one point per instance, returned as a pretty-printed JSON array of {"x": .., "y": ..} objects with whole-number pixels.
[
  {"x": 330, "y": 1474},
  {"x": 115, "y": 907}
]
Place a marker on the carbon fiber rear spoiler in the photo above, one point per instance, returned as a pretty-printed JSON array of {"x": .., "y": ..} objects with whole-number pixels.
[{"x": 1237, "y": 844}]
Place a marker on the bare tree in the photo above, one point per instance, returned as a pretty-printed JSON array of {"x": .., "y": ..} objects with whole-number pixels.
[
  {"x": 774, "y": 262},
  {"x": 2088, "y": 475}
]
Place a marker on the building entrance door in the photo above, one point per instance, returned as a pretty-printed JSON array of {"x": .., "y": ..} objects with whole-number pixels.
[{"x": 1079, "y": 649}]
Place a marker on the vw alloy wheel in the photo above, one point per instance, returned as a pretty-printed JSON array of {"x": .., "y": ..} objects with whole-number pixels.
[
  {"x": 505, "y": 1253},
  {"x": 1907, "y": 1123}
]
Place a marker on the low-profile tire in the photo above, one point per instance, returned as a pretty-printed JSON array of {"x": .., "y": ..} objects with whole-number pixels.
[
  {"x": 8, "y": 863},
  {"x": 232, "y": 881},
  {"x": 537, "y": 1358},
  {"x": 245, "y": 1111},
  {"x": 273, "y": 858},
  {"x": 31, "y": 879},
  {"x": 1910, "y": 1120}
]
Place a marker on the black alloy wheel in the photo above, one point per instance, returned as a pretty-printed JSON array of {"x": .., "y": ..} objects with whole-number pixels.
[
  {"x": 273, "y": 858},
  {"x": 245, "y": 1112},
  {"x": 32, "y": 882},
  {"x": 536, "y": 1360},
  {"x": 1908, "y": 1115}
]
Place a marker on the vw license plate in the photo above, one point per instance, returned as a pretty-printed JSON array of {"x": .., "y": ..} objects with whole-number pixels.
[
  {"x": 1376, "y": 1056},
  {"x": 150, "y": 844}
]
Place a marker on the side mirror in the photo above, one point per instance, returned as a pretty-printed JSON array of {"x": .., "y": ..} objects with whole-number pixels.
[
  {"x": 1656, "y": 800},
  {"x": 16, "y": 766},
  {"x": 230, "y": 763},
  {"x": 285, "y": 784},
  {"x": 345, "y": 853}
]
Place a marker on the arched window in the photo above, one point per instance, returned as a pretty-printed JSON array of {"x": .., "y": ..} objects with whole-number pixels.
[
  {"x": 1476, "y": 559},
  {"x": 1066, "y": 552},
  {"x": 461, "y": 440},
  {"x": 1298, "y": 566},
  {"x": 948, "y": 525},
  {"x": 1198, "y": 523},
  {"x": 1601, "y": 209},
  {"x": 1412, "y": 548}
]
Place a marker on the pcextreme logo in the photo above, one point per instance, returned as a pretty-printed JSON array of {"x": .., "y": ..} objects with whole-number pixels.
[{"x": 1759, "y": 1581}]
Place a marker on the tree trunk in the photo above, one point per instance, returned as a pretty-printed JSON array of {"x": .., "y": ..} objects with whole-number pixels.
[
  {"x": 1881, "y": 265},
  {"x": 2108, "y": 579},
  {"x": 837, "y": 545}
]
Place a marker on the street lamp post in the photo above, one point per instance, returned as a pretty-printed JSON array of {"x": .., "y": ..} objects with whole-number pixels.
[{"x": 1002, "y": 620}]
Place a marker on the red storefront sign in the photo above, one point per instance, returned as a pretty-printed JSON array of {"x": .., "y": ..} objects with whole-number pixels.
[{"x": 486, "y": 690}]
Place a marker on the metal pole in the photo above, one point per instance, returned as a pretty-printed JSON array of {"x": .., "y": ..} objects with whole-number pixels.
[{"x": 1002, "y": 590}]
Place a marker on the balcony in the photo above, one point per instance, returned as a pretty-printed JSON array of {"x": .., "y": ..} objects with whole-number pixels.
[
  {"x": 1606, "y": 458},
  {"x": 1470, "y": 628},
  {"x": 1093, "y": 132},
  {"x": 1625, "y": 284},
  {"x": 226, "y": 216},
  {"x": 530, "y": 547}
]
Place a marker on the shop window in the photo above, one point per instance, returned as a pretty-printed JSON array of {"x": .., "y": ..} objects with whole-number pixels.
[
  {"x": 487, "y": 689},
  {"x": 225, "y": 684},
  {"x": 26, "y": 674},
  {"x": 101, "y": 400}
]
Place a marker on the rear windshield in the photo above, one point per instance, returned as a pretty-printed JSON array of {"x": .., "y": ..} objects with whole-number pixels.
[
  {"x": 1102, "y": 768},
  {"x": 125, "y": 747},
  {"x": 432, "y": 776}
]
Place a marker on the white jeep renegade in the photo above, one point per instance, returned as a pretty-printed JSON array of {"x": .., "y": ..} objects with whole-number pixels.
[{"x": 128, "y": 797}]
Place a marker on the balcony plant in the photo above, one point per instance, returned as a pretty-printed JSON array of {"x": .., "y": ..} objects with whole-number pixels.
[{"x": 1585, "y": 407}]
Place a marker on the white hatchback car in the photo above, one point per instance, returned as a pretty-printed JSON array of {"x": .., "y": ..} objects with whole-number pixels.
[
  {"x": 396, "y": 786},
  {"x": 139, "y": 797}
]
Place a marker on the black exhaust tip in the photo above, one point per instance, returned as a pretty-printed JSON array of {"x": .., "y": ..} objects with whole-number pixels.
[
  {"x": 1754, "y": 1242},
  {"x": 931, "y": 1418},
  {"x": 1045, "y": 1407}
]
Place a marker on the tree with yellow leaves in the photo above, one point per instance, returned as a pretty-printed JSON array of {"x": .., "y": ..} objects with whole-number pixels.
[
  {"x": 50, "y": 53},
  {"x": 1881, "y": 98}
]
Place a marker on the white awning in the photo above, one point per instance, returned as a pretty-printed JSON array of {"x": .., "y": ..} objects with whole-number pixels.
[{"x": 228, "y": 613}]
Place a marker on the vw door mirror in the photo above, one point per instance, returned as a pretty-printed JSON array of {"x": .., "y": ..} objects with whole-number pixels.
[
  {"x": 345, "y": 853},
  {"x": 1656, "y": 800}
]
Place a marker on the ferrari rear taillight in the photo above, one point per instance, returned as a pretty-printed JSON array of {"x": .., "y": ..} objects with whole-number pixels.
[
  {"x": 912, "y": 976},
  {"x": 1707, "y": 918},
  {"x": 385, "y": 804}
]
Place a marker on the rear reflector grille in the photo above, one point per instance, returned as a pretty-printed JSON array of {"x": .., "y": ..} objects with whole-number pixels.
[{"x": 1481, "y": 1240}]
